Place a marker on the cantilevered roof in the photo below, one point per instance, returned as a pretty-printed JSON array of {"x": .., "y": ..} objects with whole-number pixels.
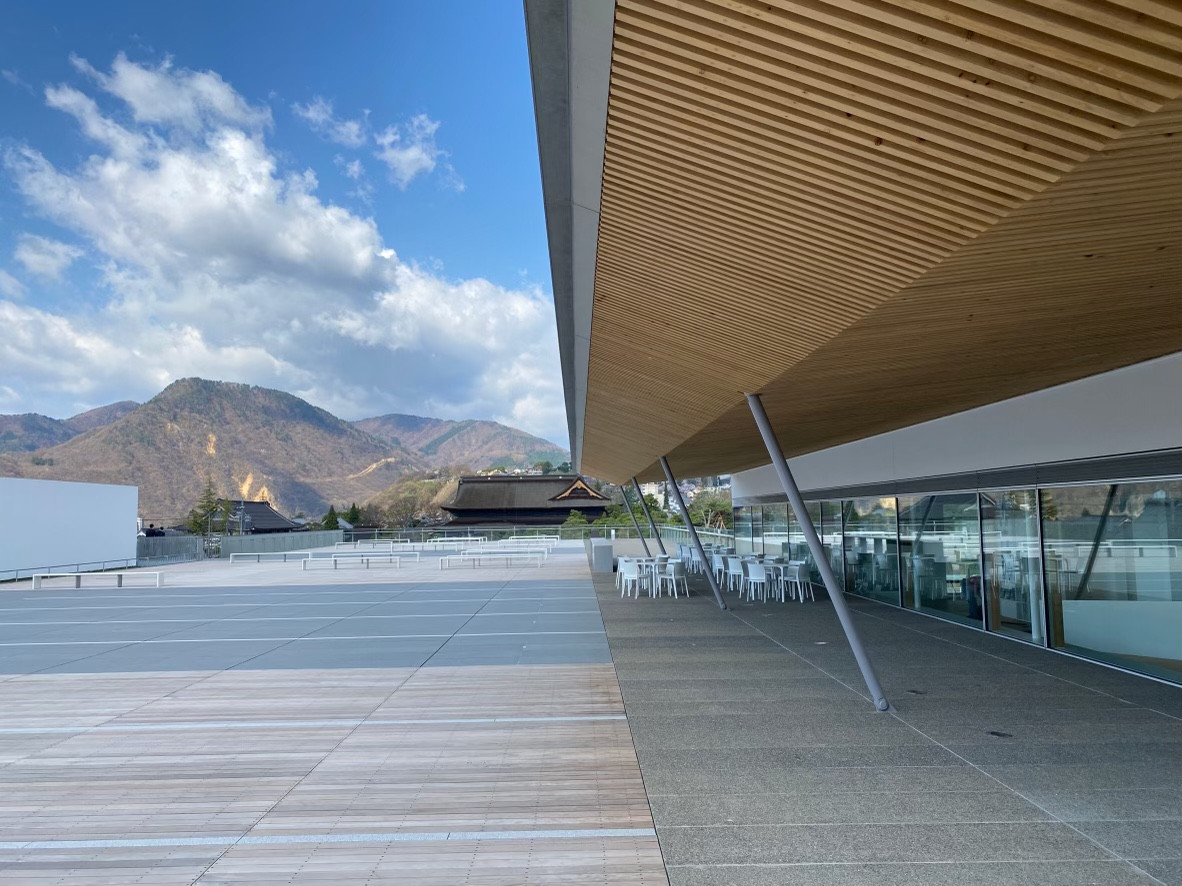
[{"x": 871, "y": 212}]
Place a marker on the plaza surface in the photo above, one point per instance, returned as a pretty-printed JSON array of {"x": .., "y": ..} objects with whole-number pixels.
[
  {"x": 260, "y": 723},
  {"x": 507, "y": 724}
]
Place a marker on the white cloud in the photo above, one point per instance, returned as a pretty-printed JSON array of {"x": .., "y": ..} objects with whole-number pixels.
[
  {"x": 215, "y": 261},
  {"x": 10, "y": 287},
  {"x": 409, "y": 150},
  {"x": 181, "y": 98},
  {"x": 351, "y": 168},
  {"x": 319, "y": 115},
  {"x": 16, "y": 80},
  {"x": 43, "y": 257}
]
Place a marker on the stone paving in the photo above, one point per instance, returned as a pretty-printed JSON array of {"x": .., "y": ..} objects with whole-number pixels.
[{"x": 765, "y": 762}]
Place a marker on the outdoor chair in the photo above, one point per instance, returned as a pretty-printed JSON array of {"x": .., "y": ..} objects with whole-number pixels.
[
  {"x": 734, "y": 574},
  {"x": 674, "y": 573},
  {"x": 756, "y": 578},
  {"x": 631, "y": 578}
]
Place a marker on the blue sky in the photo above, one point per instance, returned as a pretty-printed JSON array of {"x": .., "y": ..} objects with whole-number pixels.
[{"x": 342, "y": 201}]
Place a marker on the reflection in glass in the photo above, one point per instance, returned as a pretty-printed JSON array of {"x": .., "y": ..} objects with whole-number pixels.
[
  {"x": 940, "y": 555},
  {"x": 743, "y": 530},
  {"x": 872, "y": 549},
  {"x": 1013, "y": 563},
  {"x": 831, "y": 539},
  {"x": 757, "y": 529},
  {"x": 1114, "y": 573},
  {"x": 775, "y": 529},
  {"x": 798, "y": 548}
]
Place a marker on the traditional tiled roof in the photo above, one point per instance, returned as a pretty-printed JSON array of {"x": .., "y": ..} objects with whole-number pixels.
[
  {"x": 263, "y": 517},
  {"x": 509, "y": 497}
]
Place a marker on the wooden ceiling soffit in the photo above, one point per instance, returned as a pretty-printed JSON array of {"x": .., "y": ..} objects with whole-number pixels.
[{"x": 795, "y": 192}]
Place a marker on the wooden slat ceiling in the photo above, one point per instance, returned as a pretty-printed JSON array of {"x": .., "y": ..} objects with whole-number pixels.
[{"x": 874, "y": 213}]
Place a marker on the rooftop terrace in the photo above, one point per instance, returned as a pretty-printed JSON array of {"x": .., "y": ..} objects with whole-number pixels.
[{"x": 259, "y": 723}]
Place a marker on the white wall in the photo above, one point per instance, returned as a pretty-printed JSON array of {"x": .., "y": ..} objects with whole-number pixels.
[
  {"x": 47, "y": 523},
  {"x": 1134, "y": 409}
]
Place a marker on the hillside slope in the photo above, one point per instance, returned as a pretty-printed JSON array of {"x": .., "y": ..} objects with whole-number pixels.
[
  {"x": 476, "y": 444},
  {"x": 254, "y": 442}
]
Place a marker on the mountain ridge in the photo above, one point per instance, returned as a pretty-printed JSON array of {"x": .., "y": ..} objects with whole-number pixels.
[{"x": 259, "y": 443}]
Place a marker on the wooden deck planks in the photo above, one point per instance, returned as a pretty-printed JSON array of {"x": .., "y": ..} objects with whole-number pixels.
[{"x": 165, "y": 766}]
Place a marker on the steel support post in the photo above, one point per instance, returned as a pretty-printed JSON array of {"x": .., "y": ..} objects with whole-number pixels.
[
  {"x": 632, "y": 514},
  {"x": 648, "y": 515},
  {"x": 693, "y": 533},
  {"x": 818, "y": 550}
]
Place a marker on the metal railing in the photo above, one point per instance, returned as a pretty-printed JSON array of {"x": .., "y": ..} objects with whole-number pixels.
[
  {"x": 277, "y": 542},
  {"x": 158, "y": 550},
  {"x": 83, "y": 566}
]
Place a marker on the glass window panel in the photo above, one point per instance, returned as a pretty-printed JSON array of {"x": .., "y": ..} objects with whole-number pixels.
[
  {"x": 775, "y": 529},
  {"x": 798, "y": 548},
  {"x": 831, "y": 539},
  {"x": 1114, "y": 573},
  {"x": 1013, "y": 563},
  {"x": 940, "y": 555},
  {"x": 757, "y": 530},
  {"x": 743, "y": 530},
  {"x": 872, "y": 549}
]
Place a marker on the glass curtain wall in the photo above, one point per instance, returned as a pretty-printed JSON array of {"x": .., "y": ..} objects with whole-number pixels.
[
  {"x": 1095, "y": 570},
  {"x": 775, "y": 529},
  {"x": 797, "y": 546},
  {"x": 743, "y": 529},
  {"x": 872, "y": 548},
  {"x": 1013, "y": 563},
  {"x": 1114, "y": 573},
  {"x": 940, "y": 555},
  {"x": 831, "y": 539},
  {"x": 757, "y": 530}
]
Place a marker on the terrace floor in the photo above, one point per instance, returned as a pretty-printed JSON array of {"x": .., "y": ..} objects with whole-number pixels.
[
  {"x": 261, "y": 724},
  {"x": 765, "y": 763}
]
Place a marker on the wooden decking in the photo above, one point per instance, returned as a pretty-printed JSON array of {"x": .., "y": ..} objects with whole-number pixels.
[
  {"x": 385, "y": 775},
  {"x": 262, "y": 724}
]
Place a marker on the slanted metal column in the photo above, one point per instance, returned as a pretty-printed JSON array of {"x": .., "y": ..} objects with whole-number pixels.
[
  {"x": 649, "y": 516},
  {"x": 693, "y": 533},
  {"x": 814, "y": 542},
  {"x": 632, "y": 514}
]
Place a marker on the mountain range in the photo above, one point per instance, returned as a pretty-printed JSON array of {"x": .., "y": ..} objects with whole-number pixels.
[{"x": 254, "y": 443}]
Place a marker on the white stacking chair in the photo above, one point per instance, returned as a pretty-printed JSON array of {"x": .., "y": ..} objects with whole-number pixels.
[
  {"x": 719, "y": 566},
  {"x": 796, "y": 577},
  {"x": 674, "y": 573},
  {"x": 631, "y": 578},
  {"x": 734, "y": 574},
  {"x": 756, "y": 577}
]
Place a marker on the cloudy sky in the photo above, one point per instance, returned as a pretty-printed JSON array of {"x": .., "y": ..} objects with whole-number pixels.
[{"x": 338, "y": 200}]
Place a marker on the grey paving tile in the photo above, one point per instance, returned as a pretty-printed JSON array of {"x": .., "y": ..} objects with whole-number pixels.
[
  {"x": 1166, "y": 870},
  {"x": 1137, "y": 839},
  {"x": 1113, "y": 774},
  {"x": 1027, "y": 841},
  {"x": 753, "y": 759},
  {"x": 956, "y": 873},
  {"x": 1007, "y": 751},
  {"x": 872, "y": 807},
  {"x": 1130, "y": 805}
]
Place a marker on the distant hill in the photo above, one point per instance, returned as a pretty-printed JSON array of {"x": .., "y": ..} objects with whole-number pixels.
[
  {"x": 100, "y": 417},
  {"x": 477, "y": 444},
  {"x": 25, "y": 433},
  {"x": 254, "y": 442},
  {"x": 29, "y": 432}
]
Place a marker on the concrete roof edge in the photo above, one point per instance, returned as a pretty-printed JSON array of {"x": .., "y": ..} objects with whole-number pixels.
[{"x": 570, "y": 65}]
